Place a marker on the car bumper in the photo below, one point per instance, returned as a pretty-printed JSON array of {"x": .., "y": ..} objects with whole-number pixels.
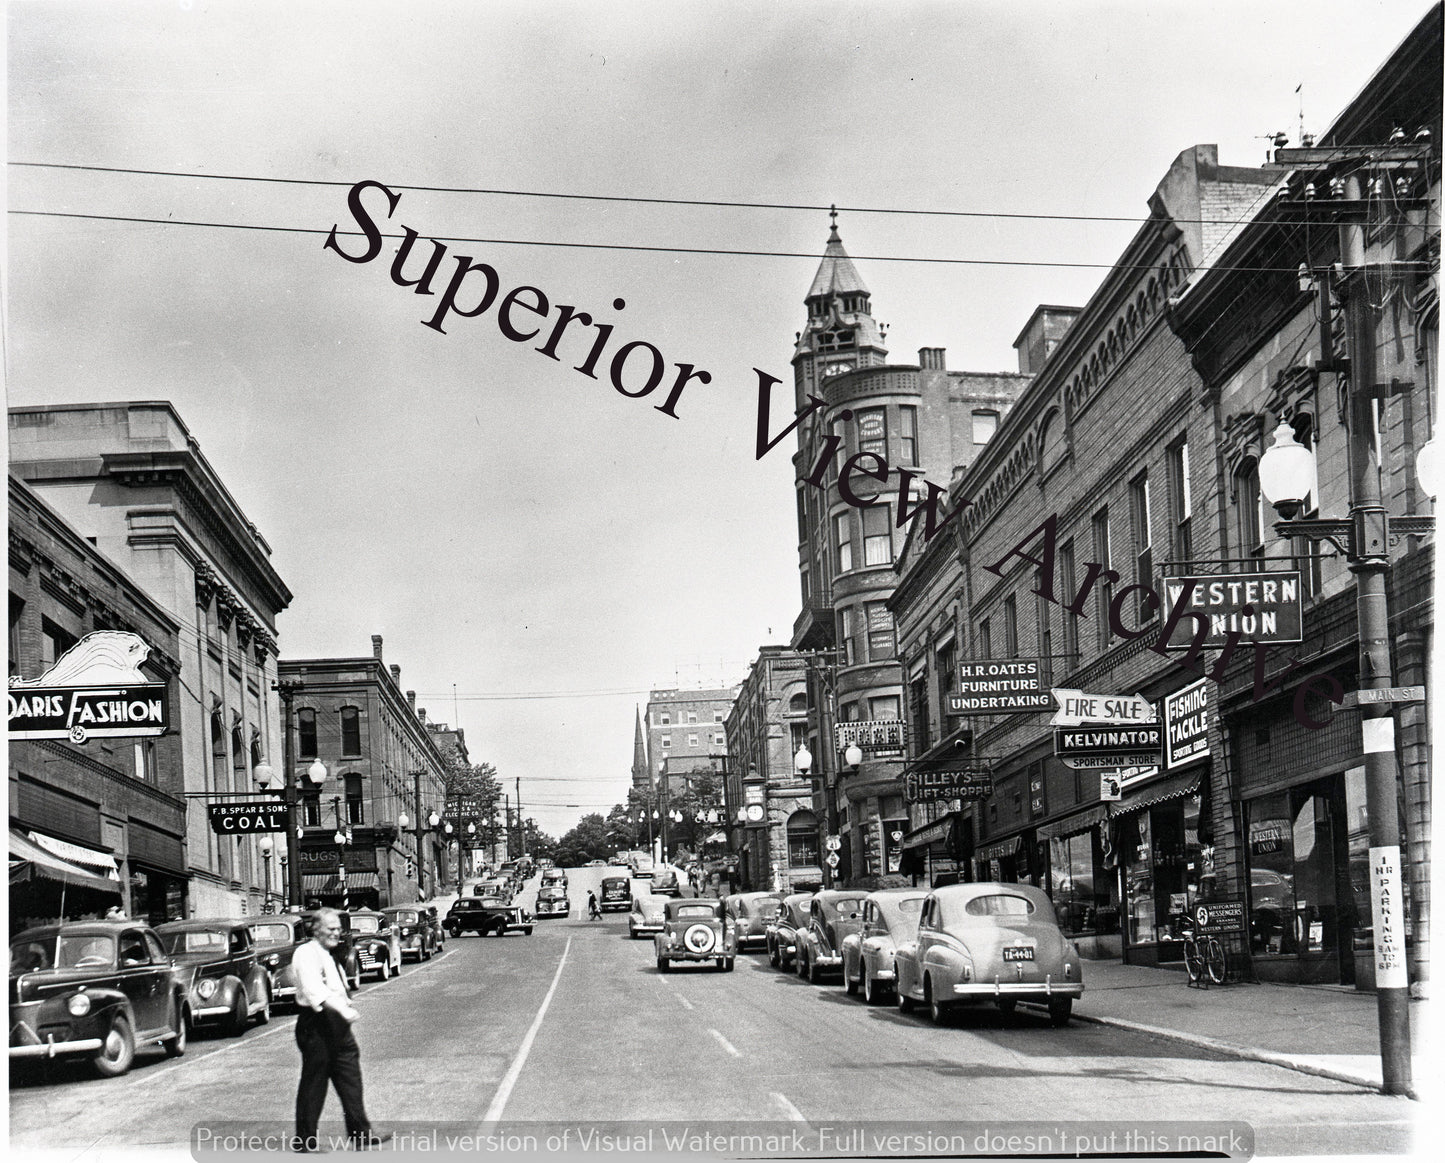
[
  {"x": 822, "y": 962},
  {"x": 50, "y": 1049},
  {"x": 1019, "y": 989},
  {"x": 204, "y": 1013},
  {"x": 647, "y": 928}
]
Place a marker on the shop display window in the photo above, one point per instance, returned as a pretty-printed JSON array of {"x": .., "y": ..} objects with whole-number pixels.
[
  {"x": 1138, "y": 861},
  {"x": 1084, "y": 892},
  {"x": 1271, "y": 874}
]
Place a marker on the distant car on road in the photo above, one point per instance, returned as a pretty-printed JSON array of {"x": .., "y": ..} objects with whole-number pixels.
[
  {"x": 552, "y": 901},
  {"x": 489, "y": 915},
  {"x": 664, "y": 883},
  {"x": 641, "y": 866},
  {"x": 616, "y": 891},
  {"x": 751, "y": 912},
  {"x": 988, "y": 942},
  {"x": 597, "y": 864},
  {"x": 216, "y": 959},
  {"x": 647, "y": 916},
  {"x": 889, "y": 916},
  {"x": 832, "y": 916},
  {"x": 413, "y": 929},
  {"x": 695, "y": 930},
  {"x": 554, "y": 876},
  {"x": 95, "y": 990}
]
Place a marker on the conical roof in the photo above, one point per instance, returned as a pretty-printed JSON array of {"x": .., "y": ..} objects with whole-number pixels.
[{"x": 836, "y": 273}]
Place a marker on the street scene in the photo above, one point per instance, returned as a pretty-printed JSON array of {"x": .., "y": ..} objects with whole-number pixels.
[{"x": 721, "y": 582}]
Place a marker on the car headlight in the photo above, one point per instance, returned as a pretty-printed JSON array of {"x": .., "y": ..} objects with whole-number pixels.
[
  {"x": 79, "y": 1005},
  {"x": 206, "y": 989},
  {"x": 273, "y": 960}
]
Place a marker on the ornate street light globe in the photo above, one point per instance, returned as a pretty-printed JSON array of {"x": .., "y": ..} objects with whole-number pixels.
[
  {"x": 854, "y": 755},
  {"x": 266, "y": 845},
  {"x": 471, "y": 829},
  {"x": 264, "y": 774},
  {"x": 448, "y": 828},
  {"x": 1286, "y": 472},
  {"x": 803, "y": 760},
  {"x": 316, "y": 773},
  {"x": 340, "y": 838},
  {"x": 434, "y": 819},
  {"x": 403, "y": 820},
  {"x": 1427, "y": 469}
]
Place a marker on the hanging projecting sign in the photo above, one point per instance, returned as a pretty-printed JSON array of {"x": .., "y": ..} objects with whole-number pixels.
[
  {"x": 94, "y": 690},
  {"x": 873, "y": 735},
  {"x": 1258, "y": 607},
  {"x": 1186, "y": 724},
  {"x": 1099, "y": 747},
  {"x": 257, "y": 816},
  {"x": 1004, "y": 687},
  {"x": 1079, "y": 707},
  {"x": 971, "y": 783}
]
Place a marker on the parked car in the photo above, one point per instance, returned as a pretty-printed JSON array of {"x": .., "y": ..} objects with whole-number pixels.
[
  {"x": 377, "y": 942},
  {"x": 413, "y": 929},
  {"x": 496, "y": 886},
  {"x": 96, "y": 990},
  {"x": 832, "y": 916},
  {"x": 889, "y": 916},
  {"x": 554, "y": 876},
  {"x": 438, "y": 929},
  {"x": 277, "y": 938},
  {"x": 751, "y": 912},
  {"x": 487, "y": 916},
  {"x": 225, "y": 981},
  {"x": 552, "y": 901},
  {"x": 664, "y": 883},
  {"x": 988, "y": 942},
  {"x": 647, "y": 916},
  {"x": 783, "y": 931},
  {"x": 641, "y": 867},
  {"x": 616, "y": 890},
  {"x": 695, "y": 930}
]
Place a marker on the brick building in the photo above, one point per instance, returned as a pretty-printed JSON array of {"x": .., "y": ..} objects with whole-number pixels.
[{"x": 111, "y": 806}]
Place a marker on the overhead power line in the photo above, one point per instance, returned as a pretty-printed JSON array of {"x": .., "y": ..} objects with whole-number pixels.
[{"x": 811, "y": 255}]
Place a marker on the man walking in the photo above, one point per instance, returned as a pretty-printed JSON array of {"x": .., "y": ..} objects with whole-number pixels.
[{"x": 329, "y": 1052}]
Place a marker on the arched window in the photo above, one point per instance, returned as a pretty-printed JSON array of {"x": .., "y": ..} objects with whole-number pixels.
[
  {"x": 1248, "y": 515},
  {"x": 803, "y": 840},
  {"x": 350, "y": 731},
  {"x": 306, "y": 732},
  {"x": 1052, "y": 446},
  {"x": 355, "y": 807}
]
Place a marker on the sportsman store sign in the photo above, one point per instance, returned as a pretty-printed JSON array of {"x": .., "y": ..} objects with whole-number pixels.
[{"x": 999, "y": 688}]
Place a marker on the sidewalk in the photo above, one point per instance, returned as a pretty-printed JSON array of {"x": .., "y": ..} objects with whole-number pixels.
[{"x": 1331, "y": 1031}]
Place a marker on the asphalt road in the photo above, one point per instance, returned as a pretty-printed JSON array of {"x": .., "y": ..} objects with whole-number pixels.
[{"x": 574, "y": 1024}]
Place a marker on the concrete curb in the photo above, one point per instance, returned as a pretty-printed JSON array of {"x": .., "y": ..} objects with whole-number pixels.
[{"x": 1232, "y": 1050}]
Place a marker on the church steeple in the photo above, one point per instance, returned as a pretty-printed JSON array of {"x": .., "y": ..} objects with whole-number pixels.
[
  {"x": 841, "y": 333},
  {"x": 641, "y": 774}
]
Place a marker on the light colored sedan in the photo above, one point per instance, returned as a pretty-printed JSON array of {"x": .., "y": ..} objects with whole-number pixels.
[
  {"x": 751, "y": 912},
  {"x": 889, "y": 916},
  {"x": 988, "y": 942},
  {"x": 647, "y": 916}
]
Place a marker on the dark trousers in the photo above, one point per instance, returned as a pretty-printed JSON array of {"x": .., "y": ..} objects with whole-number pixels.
[{"x": 329, "y": 1053}]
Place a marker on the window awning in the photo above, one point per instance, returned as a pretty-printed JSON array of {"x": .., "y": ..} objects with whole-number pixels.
[
  {"x": 1160, "y": 791},
  {"x": 999, "y": 849},
  {"x": 938, "y": 832},
  {"x": 29, "y": 861},
  {"x": 1073, "y": 825},
  {"x": 329, "y": 884},
  {"x": 103, "y": 862}
]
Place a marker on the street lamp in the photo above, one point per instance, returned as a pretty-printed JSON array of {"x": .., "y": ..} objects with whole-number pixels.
[
  {"x": 342, "y": 838},
  {"x": 266, "y": 844}
]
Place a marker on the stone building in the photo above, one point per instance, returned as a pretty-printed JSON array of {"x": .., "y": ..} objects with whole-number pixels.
[
  {"x": 111, "y": 810},
  {"x": 130, "y": 478}
]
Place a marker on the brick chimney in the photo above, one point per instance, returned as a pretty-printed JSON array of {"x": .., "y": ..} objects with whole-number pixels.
[
  {"x": 930, "y": 357},
  {"x": 376, "y": 647},
  {"x": 411, "y": 700},
  {"x": 396, "y": 675},
  {"x": 421, "y": 714}
]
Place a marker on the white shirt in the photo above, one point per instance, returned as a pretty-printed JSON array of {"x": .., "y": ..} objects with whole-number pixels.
[{"x": 317, "y": 976}]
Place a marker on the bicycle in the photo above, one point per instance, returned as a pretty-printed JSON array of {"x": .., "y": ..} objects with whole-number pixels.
[{"x": 1204, "y": 958}]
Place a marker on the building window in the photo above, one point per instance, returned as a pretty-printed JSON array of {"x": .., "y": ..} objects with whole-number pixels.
[
  {"x": 718, "y": 740},
  {"x": 350, "y": 731},
  {"x": 877, "y": 541},
  {"x": 355, "y": 808},
  {"x": 1181, "y": 504},
  {"x": 985, "y": 424},
  {"x": 1045, "y": 635},
  {"x": 802, "y": 840},
  {"x": 692, "y": 740},
  {"x": 54, "y": 641},
  {"x": 1103, "y": 589},
  {"x": 1010, "y": 627},
  {"x": 985, "y": 639},
  {"x": 717, "y": 716},
  {"x": 883, "y": 707},
  {"x": 664, "y": 719},
  {"x": 799, "y": 735},
  {"x": 918, "y": 713},
  {"x": 17, "y": 607},
  {"x": 145, "y": 760},
  {"x": 845, "y": 636},
  {"x": 908, "y": 434},
  {"x": 667, "y": 741},
  {"x": 311, "y": 809},
  {"x": 947, "y": 658},
  {"x": 842, "y": 532},
  {"x": 881, "y": 644},
  {"x": 218, "y": 734},
  {"x": 238, "y": 746},
  {"x": 840, "y": 430},
  {"x": 692, "y": 716},
  {"x": 1248, "y": 520},
  {"x": 306, "y": 731},
  {"x": 1143, "y": 547},
  {"x": 873, "y": 431},
  {"x": 1066, "y": 598}
]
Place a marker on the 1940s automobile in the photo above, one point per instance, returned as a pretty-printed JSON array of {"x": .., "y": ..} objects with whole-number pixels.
[
  {"x": 616, "y": 891},
  {"x": 751, "y": 912},
  {"x": 488, "y": 915},
  {"x": 413, "y": 928},
  {"x": 376, "y": 941},
  {"x": 889, "y": 915},
  {"x": 216, "y": 959},
  {"x": 277, "y": 938},
  {"x": 646, "y": 916},
  {"x": 832, "y": 915},
  {"x": 95, "y": 990},
  {"x": 552, "y": 900},
  {"x": 988, "y": 942},
  {"x": 783, "y": 929},
  {"x": 696, "y": 930}
]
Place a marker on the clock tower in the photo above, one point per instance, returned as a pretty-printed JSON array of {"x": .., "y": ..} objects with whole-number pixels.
[{"x": 841, "y": 334}]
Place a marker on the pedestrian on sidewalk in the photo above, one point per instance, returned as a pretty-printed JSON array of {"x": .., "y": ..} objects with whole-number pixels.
[{"x": 329, "y": 1053}]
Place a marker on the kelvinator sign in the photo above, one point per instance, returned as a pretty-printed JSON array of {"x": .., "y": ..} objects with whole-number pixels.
[
  {"x": 94, "y": 690},
  {"x": 968, "y": 783},
  {"x": 1004, "y": 687},
  {"x": 1089, "y": 748}
]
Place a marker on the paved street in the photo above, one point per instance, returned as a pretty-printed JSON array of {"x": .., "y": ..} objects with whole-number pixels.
[{"x": 574, "y": 1022}]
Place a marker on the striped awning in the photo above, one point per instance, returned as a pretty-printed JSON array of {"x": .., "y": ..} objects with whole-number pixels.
[
  {"x": 1073, "y": 825},
  {"x": 329, "y": 884},
  {"x": 938, "y": 832},
  {"x": 102, "y": 863},
  {"x": 999, "y": 849},
  {"x": 29, "y": 861},
  {"x": 1161, "y": 791}
]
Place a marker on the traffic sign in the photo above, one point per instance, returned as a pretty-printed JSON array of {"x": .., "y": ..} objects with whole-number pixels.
[
  {"x": 833, "y": 843},
  {"x": 833, "y": 860},
  {"x": 1389, "y": 694}
]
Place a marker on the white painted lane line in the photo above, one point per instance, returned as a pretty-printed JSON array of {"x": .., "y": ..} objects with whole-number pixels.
[
  {"x": 726, "y": 1045},
  {"x": 687, "y": 1005},
  {"x": 788, "y": 1108},
  {"x": 504, "y": 1091}
]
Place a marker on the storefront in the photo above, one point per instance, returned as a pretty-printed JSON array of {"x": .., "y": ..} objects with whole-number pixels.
[
  {"x": 937, "y": 852},
  {"x": 1081, "y": 880},
  {"x": 1160, "y": 862},
  {"x": 1010, "y": 860}
]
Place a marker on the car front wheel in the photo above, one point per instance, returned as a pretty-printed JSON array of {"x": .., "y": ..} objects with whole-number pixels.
[
  {"x": 905, "y": 1003},
  {"x": 264, "y": 1014},
  {"x": 240, "y": 1014},
  {"x": 872, "y": 991},
  {"x": 849, "y": 985},
  {"x": 175, "y": 1046},
  {"x": 937, "y": 1013},
  {"x": 383, "y": 972},
  {"x": 117, "y": 1052}
]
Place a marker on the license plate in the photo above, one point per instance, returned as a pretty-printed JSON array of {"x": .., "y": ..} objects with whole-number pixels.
[{"x": 1018, "y": 953}]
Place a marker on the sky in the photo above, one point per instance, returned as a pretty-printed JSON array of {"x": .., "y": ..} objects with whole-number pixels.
[{"x": 537, "y": 549}]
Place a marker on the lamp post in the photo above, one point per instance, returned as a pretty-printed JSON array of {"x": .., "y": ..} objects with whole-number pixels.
[
  {"x": 342, "y": 839},
  {"x": 266, "y": 844},
  {"x": 287, "y": 688}
]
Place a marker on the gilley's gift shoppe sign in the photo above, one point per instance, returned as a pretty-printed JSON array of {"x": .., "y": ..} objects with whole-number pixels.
[{"x": 94, "y": 690}]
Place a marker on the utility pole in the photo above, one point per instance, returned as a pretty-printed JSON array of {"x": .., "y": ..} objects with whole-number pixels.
[
  {"x": 420, "y": 835},
  {"x": 1365, "y": 539},
  {"x": 287, "y": 689}
]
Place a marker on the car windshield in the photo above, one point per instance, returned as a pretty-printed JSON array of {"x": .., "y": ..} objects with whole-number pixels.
[
  {"x": 272, "y": 934},
  {"x": 365, "y": 924},
  {"x": 492, "y": 902},
  {"x": 406, "y": 917},
  {"x": 766, "y": 906},
  {"x": 688, "y": 912},
  {"x": 842, "y": 906},
  {"x": 550, "y": 894},
  {"x": 195, "y": 941},
  {"x": 994, "y": 904}
]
